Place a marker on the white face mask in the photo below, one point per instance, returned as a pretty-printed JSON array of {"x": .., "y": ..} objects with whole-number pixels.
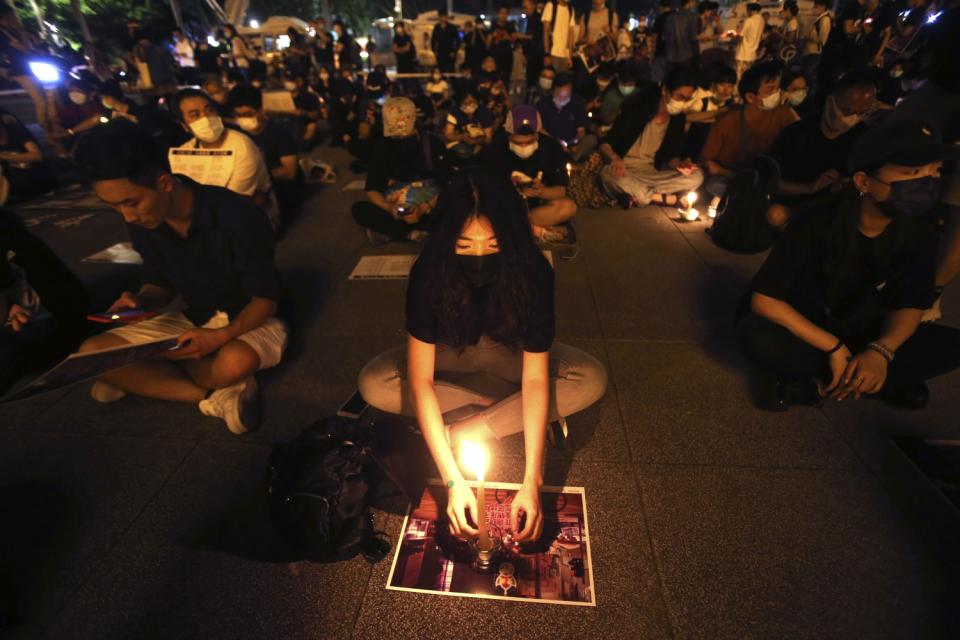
[
  {"x": 797, "y": 97},
  {"x": 627, "y": 89},
  {"x": 546, "y": 83},
  {"x": 289, "y": 85},
  {"x": 248, "y": 124},
  {"x": 772, "y": 101},
  {"x": 208, "y": 129},
  {"x": 524, "y": 150},
  {"x": 78, "y": 97},
  {"x": 561, "y": 102},
  {"x": 675, "y": 106}
]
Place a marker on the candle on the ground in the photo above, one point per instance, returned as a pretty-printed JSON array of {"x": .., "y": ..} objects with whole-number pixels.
[{"x": 474, "y": 457}]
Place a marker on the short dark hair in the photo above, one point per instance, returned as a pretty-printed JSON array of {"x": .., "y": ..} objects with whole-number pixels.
[
  {"x": 182, "y": 95},
  {"x": 857, "y": 78},
  {"x": 111, "y": 89},
  {"x": 821, "y": 3},
  {"x": 723, "y": 74},
  {"x": 791, "y": 7},
  {"x": 666, "y": 4},
  {"x": 245, "y": 95},
  {"x": 120, "y": 149},
  {"x": 680, "y": 77},
  {"x": 442, "y": 12},
  {"x": 789, "y": 75},
  {"x": 753, "y": 6},
  {"x": 562, "y": 80},
  {"x": 755, "y": 76}
]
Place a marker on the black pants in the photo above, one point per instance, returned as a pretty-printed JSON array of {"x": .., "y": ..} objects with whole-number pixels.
[
  {"x": 446, "y": 61},
  {"x": 933, "y": 350},
  {"x": 534, "y": 66},
  {"x": 366, "y": 214}
]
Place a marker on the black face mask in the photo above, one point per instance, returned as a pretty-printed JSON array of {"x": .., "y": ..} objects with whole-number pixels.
[
  {"x": 911, "y": 197},
  {"x": 480, "y": 271}
]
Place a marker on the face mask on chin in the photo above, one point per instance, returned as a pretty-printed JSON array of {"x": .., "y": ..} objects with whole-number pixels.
[
  {"x": 797, "y": 97},
  {"x": 207, "y": 129},
  {"x": 248, "y": 124},
  {"x": 910, "y": 198},
  {"x": 524, "y": 151},
  {"x": 480, "y": 271},
  {"x": 561, "y": 102},
  {"x": 627, "y": 89}
]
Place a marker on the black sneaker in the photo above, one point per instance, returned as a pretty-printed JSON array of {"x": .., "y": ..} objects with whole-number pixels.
[{"x": 914, "y": 395}]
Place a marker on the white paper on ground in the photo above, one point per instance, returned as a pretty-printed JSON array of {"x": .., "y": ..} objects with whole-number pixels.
[
  {"x": 355, "y": 185},
  {"x": 383, "y": 267},
  {"x": 120, "y": 253},
  {"x": 279, "y": 101}
]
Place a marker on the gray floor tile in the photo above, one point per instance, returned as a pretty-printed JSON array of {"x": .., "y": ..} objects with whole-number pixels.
[
  {"x": 791, "y": 554},
  {"x": 66, "y": 501},
  {"x": 629, "y": 604},
  {"x": 203, "y": 562},
  {"x": 686, "y": 404}
]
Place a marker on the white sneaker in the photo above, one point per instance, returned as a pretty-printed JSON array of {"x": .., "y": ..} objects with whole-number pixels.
[
  {"x": 105, "y": 392},
  {"x": 238, "y": 406}
]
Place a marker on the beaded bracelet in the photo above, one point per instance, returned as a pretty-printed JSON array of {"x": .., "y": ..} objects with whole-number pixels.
[{"x": 882, "y": 349}]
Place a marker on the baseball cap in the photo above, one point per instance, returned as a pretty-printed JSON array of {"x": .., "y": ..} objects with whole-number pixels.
[
  {"x": 910, "y": 143},
  {"x": 399, "y": 117},
  {"x": 523, "y": 119}
]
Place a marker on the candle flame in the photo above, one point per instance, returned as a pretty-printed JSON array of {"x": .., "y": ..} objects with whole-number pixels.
[
  {"x": 691, "y": 198},
  {"x": 474, "y": 457}
]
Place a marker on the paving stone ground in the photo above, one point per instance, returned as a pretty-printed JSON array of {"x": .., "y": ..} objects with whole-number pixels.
[{"x": 710, "y": 519}]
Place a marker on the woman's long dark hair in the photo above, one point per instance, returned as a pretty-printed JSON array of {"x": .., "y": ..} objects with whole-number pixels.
[{"x": 512, "y": 295}]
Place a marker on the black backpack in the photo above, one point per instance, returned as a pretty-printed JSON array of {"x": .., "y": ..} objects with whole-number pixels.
[
  {"x": 320, "y": 487},
  {"x": 741, "y": 224}
]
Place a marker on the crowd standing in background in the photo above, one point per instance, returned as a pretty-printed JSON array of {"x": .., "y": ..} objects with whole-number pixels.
[{"x": 773, "y": 116}]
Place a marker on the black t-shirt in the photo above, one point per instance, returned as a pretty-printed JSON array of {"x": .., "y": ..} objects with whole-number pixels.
[
  {"x": 534, "y": 29},
  {"x": 306, "y": 101},
  {"x": 410, "y": 57},
  {"x": 500, "y": 44},
  {"x": 274, "y": 142},
  {"x": 803, "y": 152},
  {"x": 893, "y": 271},
  {"x": 405, "y": 160},
  {"x": 549, "y": 159},
  {"x": 852, "y": 11},
  {"x": 541, "y": 326},
  {"x": 207, "y": 57}
]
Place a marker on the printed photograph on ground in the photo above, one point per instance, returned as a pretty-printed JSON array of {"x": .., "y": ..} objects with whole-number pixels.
[{"x": 556, "y": 569}]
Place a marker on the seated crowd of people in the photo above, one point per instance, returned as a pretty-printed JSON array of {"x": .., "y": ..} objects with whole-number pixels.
[{"x": 479, "y": 171}]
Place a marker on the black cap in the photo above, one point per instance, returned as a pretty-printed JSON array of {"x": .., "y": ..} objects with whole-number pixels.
[{"x": 910, "y": 143}]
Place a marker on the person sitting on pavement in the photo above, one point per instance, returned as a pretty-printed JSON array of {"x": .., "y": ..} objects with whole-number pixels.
[
  {"x": 565, "y": 118},
  {"x": 159, "y": 123},
  {"x": 275, "y": 141},
  {"x": 835, "y": 309},
  {"x": 42, "y": 303},
  {"x": 544, "y": 87},
  {"x": 245, "y": 171},
  {"x": 212, "y": 248},
  {"x": 627, "y": 78},
  {"x": 469, "y": 125},
  {"x": 406, "y": 172},
  {"x": 307, "y": 106},
  {"x": 812, "y": 153},
  {"x": 708, "y": 104},
  {"x": 480, "y": 302},
  {"x": 72, "y": 109},
  {"x": 23, "y": 171},
  {"x": 536, "y": 164},
  {"x": 740, "y": 135},
  {"x": 644, "y": 148}
]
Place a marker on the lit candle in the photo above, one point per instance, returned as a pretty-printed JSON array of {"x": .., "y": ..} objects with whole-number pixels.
[
  {"x": 689, "y": 213},
  {"x": 474, "y": 457}
]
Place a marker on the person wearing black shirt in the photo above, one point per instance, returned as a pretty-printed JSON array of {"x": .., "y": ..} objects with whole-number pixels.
[
  {"x": 500, "y": 40},
  {"x": 835, "y": 309},
  {"x": 536, "y": 164},
  {"x": 24, "y": 169},
  {"x": 211, "y": 247},
  {"x": 275, "y": 141},
  {"x": 474, "y": 44},
  {"x": 812, "y": 153},
  {"x": 406, "y": 171},
  {"x": 42, "y": 303},
  {"x": 322, "y": 44},
  {"x": 207, "y": 57},
  {"x": 445, "y": 40},
  {"x": 404, "y": 49},
  {"x": 481, "y": 301},
  {"x": 307, "y": 105}
]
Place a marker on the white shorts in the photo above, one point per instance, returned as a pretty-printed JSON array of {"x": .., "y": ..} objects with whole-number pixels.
[{"x": 269, "y": 340}]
